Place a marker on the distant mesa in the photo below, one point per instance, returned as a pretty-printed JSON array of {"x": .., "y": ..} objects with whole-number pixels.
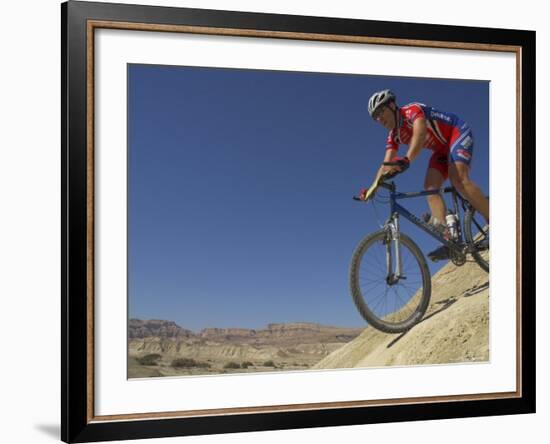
[{"x": 156, "y": 328}]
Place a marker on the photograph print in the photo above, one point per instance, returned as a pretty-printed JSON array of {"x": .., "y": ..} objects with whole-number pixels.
[{"x": 283, "y": 221}]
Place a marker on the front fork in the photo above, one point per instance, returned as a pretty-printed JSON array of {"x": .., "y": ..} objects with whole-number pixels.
[{"x": 393, "y": 250}]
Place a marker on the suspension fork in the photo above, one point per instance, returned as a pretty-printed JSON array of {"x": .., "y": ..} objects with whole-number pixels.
[{"x": 393, "y": 250}]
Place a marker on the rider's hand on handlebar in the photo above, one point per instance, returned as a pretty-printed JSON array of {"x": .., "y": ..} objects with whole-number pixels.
[
  {"x": 388, "y": 170},
  {"x": 363, "y": 193},
  {"x": 397, "y": 165}
]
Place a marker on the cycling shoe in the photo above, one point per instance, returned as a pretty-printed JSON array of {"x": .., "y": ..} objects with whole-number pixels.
[{"x": 439, "y": 254}]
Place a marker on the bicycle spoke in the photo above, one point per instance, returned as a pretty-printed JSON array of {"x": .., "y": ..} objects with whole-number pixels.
[
  {"x": 371, "y": 281},
  {"x": 381, "y": 300},
  {"x": 374, "y": 265},
  {"x": 412, "y": 287},
  {"x": 398, "y": 304},
  {"x": 372, "y": 286},
  {"x": 403, "y": 303},
  {"x": 371, "y": 267}
]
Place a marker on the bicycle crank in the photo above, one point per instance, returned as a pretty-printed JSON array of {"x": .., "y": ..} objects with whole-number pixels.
[{"x": 457, "y": 257}]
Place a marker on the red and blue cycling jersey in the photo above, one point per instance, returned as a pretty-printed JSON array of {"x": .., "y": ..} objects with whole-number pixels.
[{"x": 447, "y": 135}]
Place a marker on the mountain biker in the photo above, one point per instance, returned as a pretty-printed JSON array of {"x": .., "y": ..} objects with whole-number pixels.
[{"x": 451, "y": 140}]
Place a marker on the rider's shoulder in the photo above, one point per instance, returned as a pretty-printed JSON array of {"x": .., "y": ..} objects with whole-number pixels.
[
  {"x": 413, "y": 110},
  {"x": 414, "y": 106}
]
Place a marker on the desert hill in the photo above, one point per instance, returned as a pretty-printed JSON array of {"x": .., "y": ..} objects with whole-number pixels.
[{"x": 454, "y": 329}]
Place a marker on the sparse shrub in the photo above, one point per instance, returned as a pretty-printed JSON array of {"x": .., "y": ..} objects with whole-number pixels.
[
  {"x": 184, "y": 362},
  {"x": 202, "y": 365},
  {"x": 247, "y": 364},
  {"x": 150, "y": 359},
  {"x": 269, "y": 364},
  {"x": 231, "y": 365},
  {"x": 189, "y": 363}
]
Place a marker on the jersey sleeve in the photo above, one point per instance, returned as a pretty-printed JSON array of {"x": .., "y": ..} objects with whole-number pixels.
[
  {"x": 391, "y": 144},
  {"x": 413, "y": 112}
]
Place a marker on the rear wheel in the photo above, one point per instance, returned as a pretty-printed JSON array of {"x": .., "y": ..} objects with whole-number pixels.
[
  {"x": 389, "y": 303},
  {"x": 476, "y": 232}
]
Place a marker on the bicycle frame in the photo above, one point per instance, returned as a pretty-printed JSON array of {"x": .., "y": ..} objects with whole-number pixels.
[{"x": 397, "y": 210}]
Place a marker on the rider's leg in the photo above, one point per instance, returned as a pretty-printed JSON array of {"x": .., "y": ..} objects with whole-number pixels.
[
  {"x": 460, "y": 156},
  {"x": 459, "y": 174},
  {"x": 433, "y": 181},
  {"x": 435, "y": 176}
]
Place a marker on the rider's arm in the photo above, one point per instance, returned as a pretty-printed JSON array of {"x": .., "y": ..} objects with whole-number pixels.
[
  {"x": 391, "y": 151},
  {"x": 418, "y": 138},
  {"x": 390, "y": 154}
]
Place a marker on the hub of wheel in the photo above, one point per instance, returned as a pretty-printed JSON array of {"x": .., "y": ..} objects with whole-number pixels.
[{"x": 392, "y": 279}]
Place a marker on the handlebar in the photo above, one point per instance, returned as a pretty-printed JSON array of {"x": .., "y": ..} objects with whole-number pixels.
[
  {"x": 403, "y": 165},
  {"x": 391, "y": 187},
  {"x": 382, "y": 183}
]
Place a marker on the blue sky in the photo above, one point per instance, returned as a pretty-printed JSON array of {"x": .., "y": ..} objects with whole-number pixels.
[{"x": 240, "y": 185}]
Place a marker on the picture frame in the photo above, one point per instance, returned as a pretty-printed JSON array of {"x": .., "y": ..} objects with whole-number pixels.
[{"x": 79, "y": 421}]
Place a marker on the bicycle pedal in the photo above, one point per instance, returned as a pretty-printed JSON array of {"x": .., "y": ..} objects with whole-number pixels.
[{"x": 440, "y": 254}]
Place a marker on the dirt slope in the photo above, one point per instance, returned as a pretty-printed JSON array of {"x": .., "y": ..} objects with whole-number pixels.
[{"x": 455, "y": 328}]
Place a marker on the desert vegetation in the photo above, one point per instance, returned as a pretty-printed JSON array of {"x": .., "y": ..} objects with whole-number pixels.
[
  {"x": 150, "y": 359},
  {"x": 189, "y": 363},
  {"x": 232, "y": 365}
]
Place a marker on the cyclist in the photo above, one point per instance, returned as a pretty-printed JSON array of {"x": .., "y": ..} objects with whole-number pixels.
[{"x": 451, "y": 140}]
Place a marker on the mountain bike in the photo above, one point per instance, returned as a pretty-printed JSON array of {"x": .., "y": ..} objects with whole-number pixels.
[{"x": 389, "y": 278}]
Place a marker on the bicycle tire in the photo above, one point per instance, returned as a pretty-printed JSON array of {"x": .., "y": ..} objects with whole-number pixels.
[
  {"x": 378, "y": 322},
  {"x": 471, "y": 241}
]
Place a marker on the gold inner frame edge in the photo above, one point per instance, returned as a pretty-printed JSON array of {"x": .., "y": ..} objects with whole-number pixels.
[{"x": 97, "y": 24}]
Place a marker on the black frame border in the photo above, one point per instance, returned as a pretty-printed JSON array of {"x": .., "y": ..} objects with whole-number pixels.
[{"x": 75, "y": 426}]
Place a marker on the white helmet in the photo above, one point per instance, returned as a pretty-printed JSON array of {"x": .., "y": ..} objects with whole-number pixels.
[{"x": 380, "y": 98}]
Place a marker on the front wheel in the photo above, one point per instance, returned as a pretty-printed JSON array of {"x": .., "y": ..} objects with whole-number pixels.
[
  {"x": 476, "y": 232},
  {"x": 390, "y": 303}
]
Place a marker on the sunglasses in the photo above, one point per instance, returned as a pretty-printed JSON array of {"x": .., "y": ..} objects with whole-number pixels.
[{"x": 376, "y": 114}]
